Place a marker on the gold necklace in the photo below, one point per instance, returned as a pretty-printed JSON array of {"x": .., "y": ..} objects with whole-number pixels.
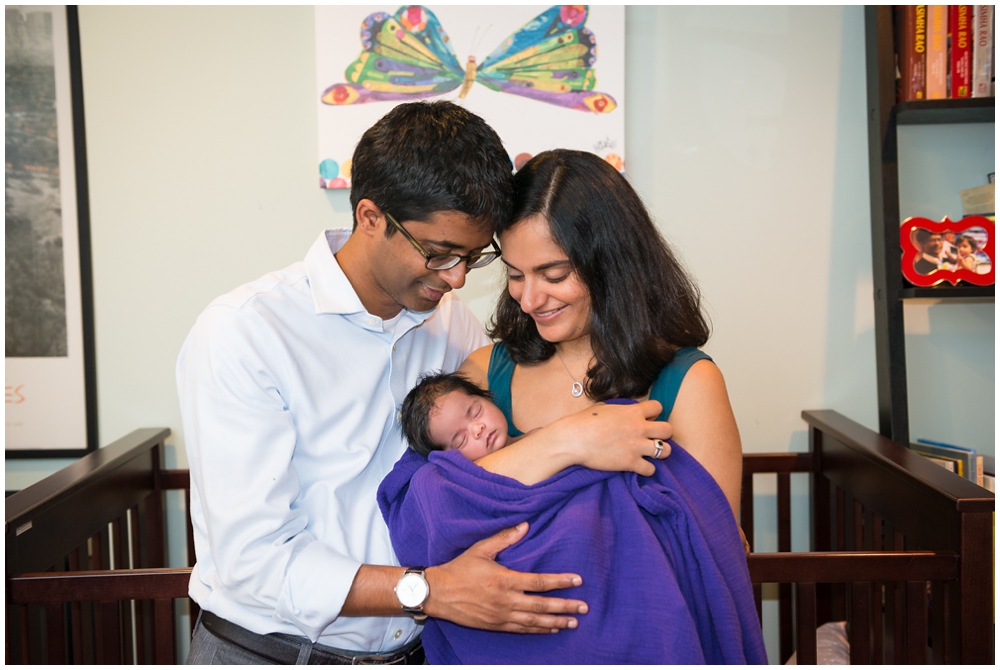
[{"x": 577, "y": 388}]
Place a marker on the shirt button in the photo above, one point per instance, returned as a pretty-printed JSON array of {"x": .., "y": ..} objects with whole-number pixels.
[
  {"x": 397, "y": 634},
  {"x": 370, "y": 322},
  {"x": 394, "y": 347},
  {"x": 399, "y": 416}
]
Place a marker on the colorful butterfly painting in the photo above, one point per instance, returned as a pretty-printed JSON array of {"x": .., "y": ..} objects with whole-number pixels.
[{"x": 408, "y": 55}]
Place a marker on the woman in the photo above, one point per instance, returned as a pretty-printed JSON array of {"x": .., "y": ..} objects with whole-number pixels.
[{"x": 597, "y": 308}]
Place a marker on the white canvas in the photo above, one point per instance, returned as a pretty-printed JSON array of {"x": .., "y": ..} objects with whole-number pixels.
[{"x": 526, "y": 126}]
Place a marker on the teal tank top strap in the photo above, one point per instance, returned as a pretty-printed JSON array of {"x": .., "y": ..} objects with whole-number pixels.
[
  {"x": 498, "y": 376},
  {"x": 667, "y": 385}
]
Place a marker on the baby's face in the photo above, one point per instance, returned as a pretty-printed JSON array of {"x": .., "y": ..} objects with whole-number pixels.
[{"x": 472, "y": 425}]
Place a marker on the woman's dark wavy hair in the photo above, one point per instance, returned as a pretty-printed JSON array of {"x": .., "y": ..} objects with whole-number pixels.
[
  {"x": 427, "y": 157},
  {"x": 643, "y": 305}
]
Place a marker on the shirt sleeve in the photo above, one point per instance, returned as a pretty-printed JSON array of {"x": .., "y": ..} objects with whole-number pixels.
[{"x": 240, "y": 438}]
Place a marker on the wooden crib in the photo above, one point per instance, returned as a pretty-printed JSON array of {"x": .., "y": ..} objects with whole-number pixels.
[{"x": 899, "y": 548}]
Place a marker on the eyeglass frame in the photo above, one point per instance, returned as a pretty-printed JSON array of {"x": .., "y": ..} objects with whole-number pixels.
[{"x": 469, "y": 259}]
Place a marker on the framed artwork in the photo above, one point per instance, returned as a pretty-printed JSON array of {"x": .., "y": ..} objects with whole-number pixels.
[
  {"x": 948, "y": 251},
  {"x": 544, "y": 77},
  {"x": 50, "y": 396}
]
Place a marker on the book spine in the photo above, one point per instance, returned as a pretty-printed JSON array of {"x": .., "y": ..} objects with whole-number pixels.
[
  {"x": 960, "y": 30},
  {"x": 982, "y": 52},
  {"x": 937, "y": 52},
  {"x": 913, "y": 52}
]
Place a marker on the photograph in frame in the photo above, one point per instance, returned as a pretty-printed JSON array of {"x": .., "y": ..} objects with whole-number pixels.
[{"x": 50, "y": 398}]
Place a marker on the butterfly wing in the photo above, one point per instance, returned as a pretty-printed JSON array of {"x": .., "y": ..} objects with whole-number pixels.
[
  {"x": 404, "y": 56},
  {"x": 551, "y": 59}
]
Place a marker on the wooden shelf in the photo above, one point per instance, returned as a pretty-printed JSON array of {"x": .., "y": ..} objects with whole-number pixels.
[
  {"x": 885, "y": 116},
  {"x": 965, "y": 110},
  {"x": 960, "y": 293}
]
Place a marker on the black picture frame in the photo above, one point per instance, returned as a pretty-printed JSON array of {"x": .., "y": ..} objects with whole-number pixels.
[{"x": 83, "y": 354}]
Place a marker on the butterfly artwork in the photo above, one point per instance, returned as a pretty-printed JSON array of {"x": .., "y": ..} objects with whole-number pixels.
[
  {"x": 530, "y": 72},
  {"x": 409, "y": 56}
]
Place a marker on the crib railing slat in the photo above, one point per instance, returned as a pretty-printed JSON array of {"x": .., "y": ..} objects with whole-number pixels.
[
  {"x": 877, "y": 625},
  {"x": 916, "y": 623},
  {"x": 860, "y": 623},
  {"x": 746, "y": 508},
  {"x": 108, "y": 637},
  {"x": 859, "y": 526},
  {"x": 55, "y": 634},
  {"x": 806, "y": 624},
  {"x": 164, "y": 620}
]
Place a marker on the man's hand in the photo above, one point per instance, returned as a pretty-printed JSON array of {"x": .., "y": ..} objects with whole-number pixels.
[{"x": 474, "y": 590}]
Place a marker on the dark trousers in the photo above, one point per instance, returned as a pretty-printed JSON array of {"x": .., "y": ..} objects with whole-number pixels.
[{"x": 221, "y": 642}]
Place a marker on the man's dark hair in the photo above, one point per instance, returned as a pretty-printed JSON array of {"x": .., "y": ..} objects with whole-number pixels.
[
  {"x": 643, "y": 305},
  {"x": 923, "y": 235},
  {"x": 427, "y": 157},
  {"x": 419, "y": 402}
]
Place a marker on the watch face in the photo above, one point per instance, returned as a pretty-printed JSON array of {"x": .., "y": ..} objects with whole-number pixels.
[{"x": 412, "y": 590}]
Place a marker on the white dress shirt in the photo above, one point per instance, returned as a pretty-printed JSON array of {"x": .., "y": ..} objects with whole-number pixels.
[{"x": 289, "y": 394}]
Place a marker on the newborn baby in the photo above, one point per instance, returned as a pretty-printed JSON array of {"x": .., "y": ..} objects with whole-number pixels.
[{"x": 446, "y": 411}]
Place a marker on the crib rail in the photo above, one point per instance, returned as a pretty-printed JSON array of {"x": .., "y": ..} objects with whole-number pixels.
[
  {"x": 899, "y": 548},
  {"x": 103, "y": 513}
]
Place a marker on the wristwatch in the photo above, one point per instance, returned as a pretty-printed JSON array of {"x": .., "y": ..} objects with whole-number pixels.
[{"x": 412, "y": 591}]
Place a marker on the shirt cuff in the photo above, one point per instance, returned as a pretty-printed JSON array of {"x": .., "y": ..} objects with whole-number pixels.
[{"x": 315, "y": 589}]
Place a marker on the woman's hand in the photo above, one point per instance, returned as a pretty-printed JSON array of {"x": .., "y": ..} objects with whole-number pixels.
[{"x": 616, "y": 438}]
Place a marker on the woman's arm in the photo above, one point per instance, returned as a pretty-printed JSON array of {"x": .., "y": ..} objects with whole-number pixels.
[
  {"x": 704, "y": 425},
  {"x": 602, "y": 437}
]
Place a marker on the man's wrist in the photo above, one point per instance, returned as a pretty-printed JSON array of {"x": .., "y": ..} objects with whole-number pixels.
[{"x": 412, "y": 590}]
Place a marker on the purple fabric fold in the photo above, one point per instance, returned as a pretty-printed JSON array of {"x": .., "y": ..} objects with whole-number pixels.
[{"x": 663, "y": 568}]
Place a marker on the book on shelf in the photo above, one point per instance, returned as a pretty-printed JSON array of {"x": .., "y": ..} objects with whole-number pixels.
[
  {"x": 911, "y": 24},
  {"x": 963, "y": 461},
  {"x": 982, "y": 52},
  {"x": 937, "y": 52},
  {"x": 989, "y": 473},
  {"x": 944, "y": 51},
  {"x": 960, "y": 43}
]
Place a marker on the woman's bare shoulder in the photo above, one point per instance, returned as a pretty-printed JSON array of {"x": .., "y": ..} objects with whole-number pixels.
[{"x": 477, "y": 365}]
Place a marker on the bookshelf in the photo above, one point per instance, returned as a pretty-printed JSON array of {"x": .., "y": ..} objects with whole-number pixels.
[{"x": 891, "y": 290}]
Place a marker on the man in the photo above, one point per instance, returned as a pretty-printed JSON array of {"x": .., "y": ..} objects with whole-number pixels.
[
  {"x": 290, "y": 388},
  {"x": 930, "y": 245}
]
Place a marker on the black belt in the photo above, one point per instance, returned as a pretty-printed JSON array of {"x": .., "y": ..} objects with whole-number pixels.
[{"x": 285, "y": 649}]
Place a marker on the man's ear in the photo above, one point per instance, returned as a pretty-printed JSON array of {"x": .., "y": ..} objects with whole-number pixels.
[{"x": 369, "y": 217}]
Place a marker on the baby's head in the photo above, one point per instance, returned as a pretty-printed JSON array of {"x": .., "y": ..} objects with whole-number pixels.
[
  {"x": 446, "y": 411},
  {"x": 966, "y": 245}
]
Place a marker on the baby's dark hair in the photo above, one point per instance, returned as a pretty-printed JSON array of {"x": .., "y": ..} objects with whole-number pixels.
[{"x": 415, "y": 415}]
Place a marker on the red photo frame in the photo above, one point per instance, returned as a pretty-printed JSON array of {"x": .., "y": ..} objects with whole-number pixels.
[{"x": 948, "y": 251}]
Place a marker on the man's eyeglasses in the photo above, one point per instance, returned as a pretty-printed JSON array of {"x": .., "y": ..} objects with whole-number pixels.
[{"x": 447, "y": 261}]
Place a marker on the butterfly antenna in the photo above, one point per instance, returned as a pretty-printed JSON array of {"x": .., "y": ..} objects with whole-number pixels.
[{"x": 478, "y": 38}]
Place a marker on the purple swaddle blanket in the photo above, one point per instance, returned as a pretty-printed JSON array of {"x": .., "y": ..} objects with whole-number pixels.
[{"x": 664, "y": 573}]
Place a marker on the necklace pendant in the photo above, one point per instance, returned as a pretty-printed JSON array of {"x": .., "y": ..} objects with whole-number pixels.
[{"x": 577, "y": 389}]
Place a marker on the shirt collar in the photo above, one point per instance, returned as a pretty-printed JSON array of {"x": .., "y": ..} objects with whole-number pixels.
[{"x": 331, "y": 289}]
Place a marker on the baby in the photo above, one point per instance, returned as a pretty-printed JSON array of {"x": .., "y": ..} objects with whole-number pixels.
[{"x": 446, "y": 411}]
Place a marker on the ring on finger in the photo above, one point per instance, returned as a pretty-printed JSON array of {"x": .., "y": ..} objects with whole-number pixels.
[{"x": 659, "y": 448}]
